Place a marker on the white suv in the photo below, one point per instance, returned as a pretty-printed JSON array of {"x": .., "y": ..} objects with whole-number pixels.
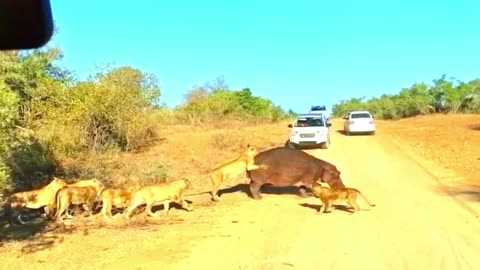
[
  {"x": 310, "y": 129},
  {"x": 359, "y": 121}
]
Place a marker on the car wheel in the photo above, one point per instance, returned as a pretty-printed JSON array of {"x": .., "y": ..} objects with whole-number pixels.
[{"x": 325, "y": 145}]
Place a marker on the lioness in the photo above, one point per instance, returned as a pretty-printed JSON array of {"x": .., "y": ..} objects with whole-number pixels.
[
  {"x": 35, "y": 199},
  {"x": 158, "y": 193},
  {"x": 244, "y": 162},
  {"x": 117, "y": 196},
  {"x": 89, "y": 182},
  {"x": 341, "y": 194},
  {"x": 75, "y": 195}
]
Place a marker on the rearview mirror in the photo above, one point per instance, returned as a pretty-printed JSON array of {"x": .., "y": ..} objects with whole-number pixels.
[
  {"x": 25, "y": 24},
  {"x": 329, "y": 124},
  {"x": 289, "y": 125}
]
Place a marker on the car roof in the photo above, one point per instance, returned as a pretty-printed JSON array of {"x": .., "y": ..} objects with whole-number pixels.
[
  {"x": 359, "y": 112},
  {"x": 311, "y": 115}
]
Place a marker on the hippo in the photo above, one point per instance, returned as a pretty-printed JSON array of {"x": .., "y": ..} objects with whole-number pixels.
[{"x": 291, "y": 167}]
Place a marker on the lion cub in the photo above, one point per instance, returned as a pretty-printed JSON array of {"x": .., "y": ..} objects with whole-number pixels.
[
  {"x": 329, "y": 196},
  {"x": 159, "y": 193},
  {"x": 244, "y": 162}
]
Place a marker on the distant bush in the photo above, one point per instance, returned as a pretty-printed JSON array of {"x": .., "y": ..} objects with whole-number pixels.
[
  {"x": 113, "y": 109},
  {"x": 443, "y": 96},
  {"x": 209, "y": 106}
]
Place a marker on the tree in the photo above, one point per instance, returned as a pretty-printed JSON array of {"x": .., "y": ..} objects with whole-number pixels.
[{"x": 108, "y": 110}]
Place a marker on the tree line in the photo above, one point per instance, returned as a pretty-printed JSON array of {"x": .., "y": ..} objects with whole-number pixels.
[{"x": 443, "y": 96}]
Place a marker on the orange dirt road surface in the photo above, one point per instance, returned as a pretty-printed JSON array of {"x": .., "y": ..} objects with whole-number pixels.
[{"x": 418, "y": 223}]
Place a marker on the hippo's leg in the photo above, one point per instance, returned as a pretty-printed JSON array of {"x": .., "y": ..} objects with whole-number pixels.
[{"x": 255, "y": 190}]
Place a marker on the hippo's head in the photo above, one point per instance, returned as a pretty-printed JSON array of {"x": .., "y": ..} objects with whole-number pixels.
[{"x": 331, "y": 176}]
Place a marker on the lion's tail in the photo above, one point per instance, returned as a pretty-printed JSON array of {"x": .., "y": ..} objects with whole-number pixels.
[
  {"x": 365, "y": 198},
  {"x": 198, "y": 181},
  {"x": 197, "y": 193},
  {"x": 57, "y": 203}
]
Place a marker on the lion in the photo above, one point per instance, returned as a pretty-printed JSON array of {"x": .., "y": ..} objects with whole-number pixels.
[
  {"x": 244, "y": 162},
  {"x": 75, "y": 195},
  {"x": 99, "y": 186},
  {"x": 158, "y": 193},
  {"x": 34, "y": 199},
  {"x": 116, "y": 196},
  {"x": 341, "y": 194}
]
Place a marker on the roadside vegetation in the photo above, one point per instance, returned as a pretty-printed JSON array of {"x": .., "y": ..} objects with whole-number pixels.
[
  {"x": 443, "y": 96},
  {"x": 52, "y": 123}
]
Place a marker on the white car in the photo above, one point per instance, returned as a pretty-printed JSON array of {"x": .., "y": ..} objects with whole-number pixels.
[
  {"x": 359, "y": 122},
  {"x": 310, "y": 129}
]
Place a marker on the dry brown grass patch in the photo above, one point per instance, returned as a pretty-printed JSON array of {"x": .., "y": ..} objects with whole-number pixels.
[{"x": 448, "y": 140}]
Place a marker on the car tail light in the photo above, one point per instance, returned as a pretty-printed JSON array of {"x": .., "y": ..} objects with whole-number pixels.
[{"x": 371, "y": 121}]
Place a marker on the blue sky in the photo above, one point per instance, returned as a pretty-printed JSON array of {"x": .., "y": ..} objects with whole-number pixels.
[{"x": 295, "y": 53}]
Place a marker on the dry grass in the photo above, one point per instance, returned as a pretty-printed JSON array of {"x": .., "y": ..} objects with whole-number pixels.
[
  {"x": 452, "y": 141},
  {"x": 183, "y": 151}
]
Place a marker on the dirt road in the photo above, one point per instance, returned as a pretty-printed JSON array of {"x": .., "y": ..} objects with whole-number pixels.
[{"x": 415, "y": 225}]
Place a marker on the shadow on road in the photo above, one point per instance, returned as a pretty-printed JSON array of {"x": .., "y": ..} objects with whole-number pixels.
[
  {"x": 475, "y": 127},
  {"x": 267, "y": 189},
  {"x": 38, "y": 235},
  {"x": 341, "y": 131},
  {"x": 159, "y": 207},
  {"x": 335, "y": 207},
  {"x": 471, "y": 193}
]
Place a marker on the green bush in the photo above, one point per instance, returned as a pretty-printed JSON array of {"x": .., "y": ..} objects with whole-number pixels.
[
  {"x": 443, "y": 96},
  {"x": 203, "y": 106}
]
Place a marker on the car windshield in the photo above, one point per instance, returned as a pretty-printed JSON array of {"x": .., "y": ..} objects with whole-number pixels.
[
  {"x": 309, "y": 122},
  {"x": 360, "y": 115}
]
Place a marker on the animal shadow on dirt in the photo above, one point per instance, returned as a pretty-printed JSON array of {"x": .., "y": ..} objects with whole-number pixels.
[
  {"x": 475, "y": 127},
  {"x": 266, "y": 189},
  {"x": 469, "y": 192},
  {"x": 173, "y": 205},
  {"x": 37, "y": 236},
  {"x": 335, "y": 206}
]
